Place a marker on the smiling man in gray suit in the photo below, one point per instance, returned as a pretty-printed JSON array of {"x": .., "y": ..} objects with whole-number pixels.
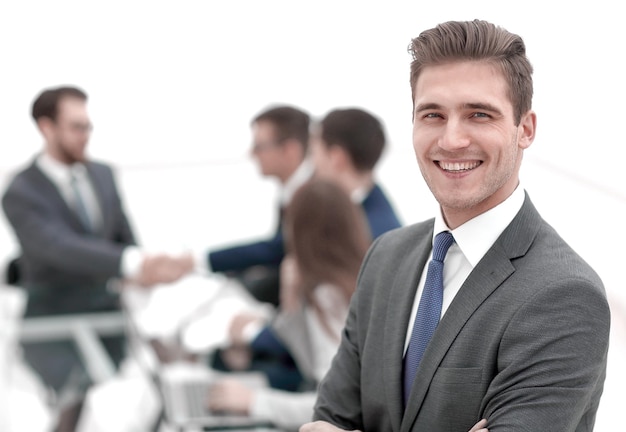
[{"x": 523, "y": 333}]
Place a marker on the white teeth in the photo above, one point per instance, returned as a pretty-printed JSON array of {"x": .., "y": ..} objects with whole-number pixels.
[{"x": 458, "y": 166}]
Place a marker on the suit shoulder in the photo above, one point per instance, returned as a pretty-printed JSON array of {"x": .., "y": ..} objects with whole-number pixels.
[
  {"x": 563, "y": 260},
  {"x": 404, "y": 237},
  {"x": 21, "y": 178},
  {"x": 102, "y": 171},
  {"x": 100, "y": 166},
  {"x": 379, "y": 198},
  {"x": 409, "y": 231}
]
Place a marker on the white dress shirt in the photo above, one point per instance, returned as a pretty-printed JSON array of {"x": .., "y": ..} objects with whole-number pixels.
[
  {"x": 472, "y": 240},
  {"x": 61, "y": 175},
  {"x": 300, "y": 176}
]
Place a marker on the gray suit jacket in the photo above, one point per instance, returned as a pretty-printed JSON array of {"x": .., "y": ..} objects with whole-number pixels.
[
  {"x": 62, "y": 265},
  {"x": 524, "y": 342}
]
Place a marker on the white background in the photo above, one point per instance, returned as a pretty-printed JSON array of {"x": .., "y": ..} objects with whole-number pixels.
[{"x": 173, "y": 86}]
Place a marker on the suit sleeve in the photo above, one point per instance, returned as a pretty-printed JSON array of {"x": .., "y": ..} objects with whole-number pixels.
[
  {"x": 269, "y": 252},
  {"x": 552, "y": 357},
  {"x": 268, "y": 341}
]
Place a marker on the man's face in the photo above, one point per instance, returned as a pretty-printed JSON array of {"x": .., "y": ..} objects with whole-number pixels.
[
  {"x": 266, "y": 149},
  {"x": 465, "y": 140},
  {"x": 69, "y": 134}
]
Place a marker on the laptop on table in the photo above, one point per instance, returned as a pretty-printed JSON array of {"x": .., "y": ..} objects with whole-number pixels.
[{"x": 184, "y": 388}]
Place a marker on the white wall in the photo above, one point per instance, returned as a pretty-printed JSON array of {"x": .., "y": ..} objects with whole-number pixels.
[{"x": 173, "y": 86}]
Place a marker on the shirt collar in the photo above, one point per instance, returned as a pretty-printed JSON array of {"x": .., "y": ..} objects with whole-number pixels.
[
  {"x": 477, "y": 235},
  {"x": 57, "y": 171},
  {"x": 359, "y": 194},
  {"x": 297, "y": 179}
]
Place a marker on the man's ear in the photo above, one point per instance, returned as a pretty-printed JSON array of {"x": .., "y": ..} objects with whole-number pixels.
[
  {"x": 527, "y": 129},
  {"x": 46, "y": 126},
  {"x": 340, "y": 158},
  {"x": 295, "y": 148}
]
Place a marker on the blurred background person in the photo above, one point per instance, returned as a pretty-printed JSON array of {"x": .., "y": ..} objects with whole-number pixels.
[
  {"x": 280, "y": 139},
  {"x": 327, "y": 236},
  {"x": 346, "y": 147},
  {"x": 74, "y": 237},
  {"x": 280, "y": 146}
]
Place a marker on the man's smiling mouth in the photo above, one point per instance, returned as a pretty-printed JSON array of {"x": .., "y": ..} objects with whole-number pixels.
[{"x": 458, "y": 166}]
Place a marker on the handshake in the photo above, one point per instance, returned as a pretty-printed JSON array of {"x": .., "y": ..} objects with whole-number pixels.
[{"x": 164, "y": 268}]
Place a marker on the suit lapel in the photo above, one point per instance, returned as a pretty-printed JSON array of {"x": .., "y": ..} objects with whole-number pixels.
[
  {"x": 399, "y": 305},
  {"x": 487, "y": 276},
  {"x": 98, "y": 183},
  {"x": 46, "y": 187}
]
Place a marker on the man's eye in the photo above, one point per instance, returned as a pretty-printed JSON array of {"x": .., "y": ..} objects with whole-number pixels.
[{"x": 432, "y": 115}]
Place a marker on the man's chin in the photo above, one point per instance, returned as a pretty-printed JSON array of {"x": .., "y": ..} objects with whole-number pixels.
[{"x": 81, "y": 158}]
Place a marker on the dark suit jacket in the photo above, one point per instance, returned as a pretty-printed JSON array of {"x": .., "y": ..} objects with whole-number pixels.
[
  {"x": 379, "y": 212},
  {"x": 524, "y": 342},
  {"x": 64, "y": 267},
  {"x": 380, "y": 215}
]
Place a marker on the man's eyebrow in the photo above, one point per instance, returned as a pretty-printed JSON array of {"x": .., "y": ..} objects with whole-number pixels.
[
  {"x": 469, "y": 105},
  {"x": 427, "y": 106},
  {"x": 481, "y": 106}
]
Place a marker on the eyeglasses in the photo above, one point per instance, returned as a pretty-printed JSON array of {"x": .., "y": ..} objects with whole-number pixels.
[
  {"x": 261, "y": 147},
  {"x": 77, "y": 127}
]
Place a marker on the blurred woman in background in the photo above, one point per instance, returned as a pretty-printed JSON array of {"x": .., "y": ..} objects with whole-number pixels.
[{"x": 326, "y": 237}]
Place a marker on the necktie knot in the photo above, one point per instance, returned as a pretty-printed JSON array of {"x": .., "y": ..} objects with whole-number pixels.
[{"x": 443, "y": 241}]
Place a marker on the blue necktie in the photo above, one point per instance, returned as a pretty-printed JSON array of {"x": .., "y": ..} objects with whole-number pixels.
[{"x": 428, "y": 311}]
